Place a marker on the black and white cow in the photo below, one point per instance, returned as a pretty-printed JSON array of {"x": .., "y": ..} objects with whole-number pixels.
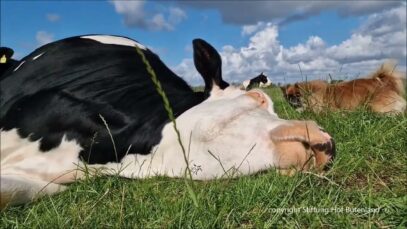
[
  {"x": 57, "y": 102},
  {"x": 258, "y": 81}
]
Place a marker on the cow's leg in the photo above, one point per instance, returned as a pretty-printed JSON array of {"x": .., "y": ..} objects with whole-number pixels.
[
  {"x": 17, "y": 189},
  {"x": 302, "y": 145},
  {"x": 28, "y": 173}
]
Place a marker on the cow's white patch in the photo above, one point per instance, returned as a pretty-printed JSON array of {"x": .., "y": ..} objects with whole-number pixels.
[
  {"x": 27, "y": 173},
  {"x": 22, "y": 62},
  {"x": 37, "y": 56},
  {"x": 22, "y": 157},
  {"x": 16, "y": 189},
  {"x": 233, "y": 92},
  {"x": 115, "y": 40},
  {"x": 246, "y": 83},
  {"x": 210, "y": 133}
]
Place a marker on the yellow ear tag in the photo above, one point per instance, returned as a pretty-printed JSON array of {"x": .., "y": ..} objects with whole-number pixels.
[{"x": 3, "y": 59}]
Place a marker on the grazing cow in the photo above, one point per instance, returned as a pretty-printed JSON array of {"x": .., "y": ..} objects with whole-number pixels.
[
  {"x": 258, "y": 81},
  {"x": 89, "y": 102}
]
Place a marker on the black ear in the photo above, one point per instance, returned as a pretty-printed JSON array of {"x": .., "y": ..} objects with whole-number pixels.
[
  {"x": 5, "y": 54},
  {"x": 209, "y": 64}
]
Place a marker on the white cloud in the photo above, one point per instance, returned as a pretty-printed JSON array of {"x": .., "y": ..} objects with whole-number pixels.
[
  {"x": 250, "y": 29},
  {"x": 315, "y": 46},
  {"x": 136, "y": 15},
  {"x": 158, "y": 22},
  {"x": 176, "y": 15},
  {"x": 52, "y": 17},
  {"x": 132, "y": 11},
  {"x": 44, "y": 37},
  {"x": 382, "y": 36},
  {"x": 186, "y": 69}
]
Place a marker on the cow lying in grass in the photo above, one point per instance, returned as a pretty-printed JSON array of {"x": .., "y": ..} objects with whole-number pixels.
[{"x": 88, "y": 103}]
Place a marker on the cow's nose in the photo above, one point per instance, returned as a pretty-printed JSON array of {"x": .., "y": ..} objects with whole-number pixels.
[
  {"x": 304, "y": 145},
  {"x": 326, "y": 149}
]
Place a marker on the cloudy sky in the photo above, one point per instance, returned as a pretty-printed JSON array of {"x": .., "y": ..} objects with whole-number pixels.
[{"x": 287, "y": 40}]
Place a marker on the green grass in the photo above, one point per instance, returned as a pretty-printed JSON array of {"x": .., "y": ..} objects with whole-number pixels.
[{"x": 370, "y": 172}]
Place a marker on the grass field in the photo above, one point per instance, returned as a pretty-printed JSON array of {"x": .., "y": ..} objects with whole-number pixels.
[{"x": 367, "y": 187}]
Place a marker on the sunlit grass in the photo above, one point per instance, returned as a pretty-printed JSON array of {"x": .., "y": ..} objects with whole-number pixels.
[{"x": 370, "y": 173}]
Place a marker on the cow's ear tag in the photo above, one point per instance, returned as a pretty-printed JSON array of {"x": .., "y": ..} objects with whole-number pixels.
[{"x": 3, "y": 59}]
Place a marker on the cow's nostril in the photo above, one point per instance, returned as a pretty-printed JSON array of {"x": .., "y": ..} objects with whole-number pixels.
[{"x": 331, "y": 151}]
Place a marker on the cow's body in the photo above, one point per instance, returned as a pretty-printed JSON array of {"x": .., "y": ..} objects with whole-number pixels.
[
  {"x": 89, "y": 102},
  {"x": 77, "y": 80}
]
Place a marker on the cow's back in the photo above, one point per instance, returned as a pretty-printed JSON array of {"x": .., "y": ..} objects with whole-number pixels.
[{"x": 70, "y": 87}]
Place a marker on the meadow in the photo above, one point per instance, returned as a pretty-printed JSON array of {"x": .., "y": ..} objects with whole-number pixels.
[{"x": 366, "y": 187}]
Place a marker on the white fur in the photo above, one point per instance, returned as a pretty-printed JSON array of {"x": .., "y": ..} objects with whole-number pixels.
[
  {"x": 398, "y": 106},
  {"x": 246, "y": 83},
  {"x": 21, "y": 156},
  {"x": 19, "y": 65},
  {"x": 28, "y": 173},
  {"x": 115, "y": 40},
  {"x": 37, "y": 56}
]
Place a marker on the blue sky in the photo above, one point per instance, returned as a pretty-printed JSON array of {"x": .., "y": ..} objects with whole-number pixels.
[{"x": 252, "y": 36}]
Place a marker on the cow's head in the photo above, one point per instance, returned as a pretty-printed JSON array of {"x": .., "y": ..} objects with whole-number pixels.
[
  {"x": 264, "y": 80},
  {"x": 233, "y": 126}
]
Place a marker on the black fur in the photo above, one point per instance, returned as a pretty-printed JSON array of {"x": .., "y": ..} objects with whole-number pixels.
[
  {"x": 9, "y": 63},
  {"x": 209, "y": 64},
  {"x": 76, "y": 80},
  {"x": 255, "y": 82}
]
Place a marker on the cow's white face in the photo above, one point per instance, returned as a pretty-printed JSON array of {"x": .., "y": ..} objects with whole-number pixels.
[
  {"x": 232, "y": 127},
  {"x": 233, "y": 132}
]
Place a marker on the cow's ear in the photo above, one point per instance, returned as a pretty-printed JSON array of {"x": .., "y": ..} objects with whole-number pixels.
[
  {"x": 5, "y": 54},
  {"x": 209, "y": 64}
]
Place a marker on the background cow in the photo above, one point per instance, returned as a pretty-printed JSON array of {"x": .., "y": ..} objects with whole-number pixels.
[
  {"x": 258, "y": 81},
  {"x": 89, "y": 102}
]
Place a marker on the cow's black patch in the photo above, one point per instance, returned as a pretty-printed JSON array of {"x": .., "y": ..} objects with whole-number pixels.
[
  {"x": 75, "y": 81},
  {"x": 255, "y": 82}
]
